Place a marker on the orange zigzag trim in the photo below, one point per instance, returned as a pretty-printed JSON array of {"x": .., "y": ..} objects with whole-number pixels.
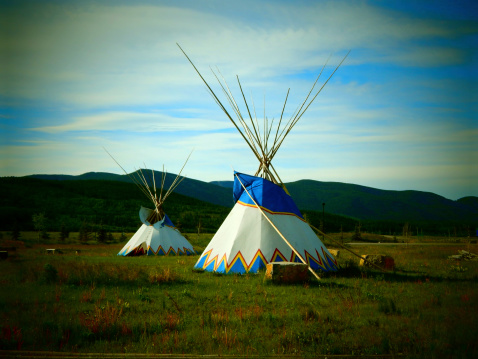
[
  {"x": 277, "y": 253},
  {"x": 167, "y": 253},
  {"x": 328, "y": 256},
  {"x": 206, "y": 261},
  {"x": 240, "y": 257},
  {"x": 309, "y": 257},
  {"x": 247, "y": 267},
  {"x": 227, "y": 266}
]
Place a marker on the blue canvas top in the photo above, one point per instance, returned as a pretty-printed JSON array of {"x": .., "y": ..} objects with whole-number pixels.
[
  {"x": 167, "y": 221},
  {"x": 144, "y": 214},
  {"x": 267, "y": 194}
]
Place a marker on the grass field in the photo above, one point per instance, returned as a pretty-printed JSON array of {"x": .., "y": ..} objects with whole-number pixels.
[{"x": 97, "y": 302}]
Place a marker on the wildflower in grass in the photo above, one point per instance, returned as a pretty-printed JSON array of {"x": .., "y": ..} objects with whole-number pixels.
[
  {"x": 172, "y": 321},
  {"x": 458, "y": 268},
  {"x": 87, "y": 295},
  {"x": 125, "y": 330},
  {"x": 11, "y": 337},
  {"x": 57, "y": 293},
  {"x": 102, "y": 319},
  {"x": 65, "y": 337}
]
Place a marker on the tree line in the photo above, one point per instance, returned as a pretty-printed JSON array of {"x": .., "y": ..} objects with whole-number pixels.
[{"x": 102, "y": 207}]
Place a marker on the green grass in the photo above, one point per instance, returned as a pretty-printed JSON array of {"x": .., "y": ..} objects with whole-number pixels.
[{"x": 99, "y": 302}]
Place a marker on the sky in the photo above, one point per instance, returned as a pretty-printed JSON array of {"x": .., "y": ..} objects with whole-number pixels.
[{"x": 399, "y": 114}]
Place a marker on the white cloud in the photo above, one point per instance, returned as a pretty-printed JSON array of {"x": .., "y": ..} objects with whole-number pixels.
[
  {"x": 87, "y": 75},
  {"x": 134, "y": 122},
  {"x": 100, "y": 54}
]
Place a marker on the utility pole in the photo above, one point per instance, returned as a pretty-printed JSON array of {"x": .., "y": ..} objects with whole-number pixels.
[{"x": 323, "y": 219}]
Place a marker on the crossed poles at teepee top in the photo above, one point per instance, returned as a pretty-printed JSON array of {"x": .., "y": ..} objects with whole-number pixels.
[
  {"x": 266, "y": 142},
  {"x": 139, "y": 179}
]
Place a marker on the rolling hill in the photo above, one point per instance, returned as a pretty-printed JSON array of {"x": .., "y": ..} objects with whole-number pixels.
[
  {"x": 189, "y": 187},
  {"x": 359, "y": 202},
  {"x": 373, "y": 204},
  {"x": 113, "y": 205},
  {"x": 366, "y": 203}
]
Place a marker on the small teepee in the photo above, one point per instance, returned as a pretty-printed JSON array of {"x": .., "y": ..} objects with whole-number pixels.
[
  {"x": 160, "y": 238},
  {"x": 264, "y": 225},
  {"x": 157, "y": 235}
]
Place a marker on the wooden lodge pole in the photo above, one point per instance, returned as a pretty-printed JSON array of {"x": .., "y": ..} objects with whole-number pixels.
[
  {"x": 277, "y": 229},
  {"x": 347, "y": 249}
]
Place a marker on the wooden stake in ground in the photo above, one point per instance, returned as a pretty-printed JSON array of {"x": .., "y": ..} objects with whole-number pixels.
[{"x": 341, "y": 245}]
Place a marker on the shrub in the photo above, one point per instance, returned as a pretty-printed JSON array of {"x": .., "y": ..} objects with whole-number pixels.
[
  {"x": 350, "y": 268},
  {"x": 388, "y": 306},
  {"x": 50, "y": 274}
]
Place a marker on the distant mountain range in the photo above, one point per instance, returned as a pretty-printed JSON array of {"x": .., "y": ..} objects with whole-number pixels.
[
  {"x": 203, "y": 191},
  {"x": 350, "y": 200}
]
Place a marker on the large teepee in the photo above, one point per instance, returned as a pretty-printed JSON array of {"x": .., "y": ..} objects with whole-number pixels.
[
  {"x": 264, "y": 225},
  {"x": 157, "y": 235}
]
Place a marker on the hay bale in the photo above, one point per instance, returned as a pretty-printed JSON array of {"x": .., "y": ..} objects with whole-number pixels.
[
  {"x": 464, "y": 255},
  {"x": 287, "y": 272},
  {"x": 380, "y": 260},
  {"x": 53, "y": 251},
  {"x": 334, "y": 252}
]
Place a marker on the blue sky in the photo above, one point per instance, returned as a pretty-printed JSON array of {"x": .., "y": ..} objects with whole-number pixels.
[{"x": 400, "y": 113}]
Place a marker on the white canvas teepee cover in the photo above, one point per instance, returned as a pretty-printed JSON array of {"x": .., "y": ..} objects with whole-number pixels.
[
  {"x": 246, "y": 241},
  {"x": 160, "y": 238}
]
